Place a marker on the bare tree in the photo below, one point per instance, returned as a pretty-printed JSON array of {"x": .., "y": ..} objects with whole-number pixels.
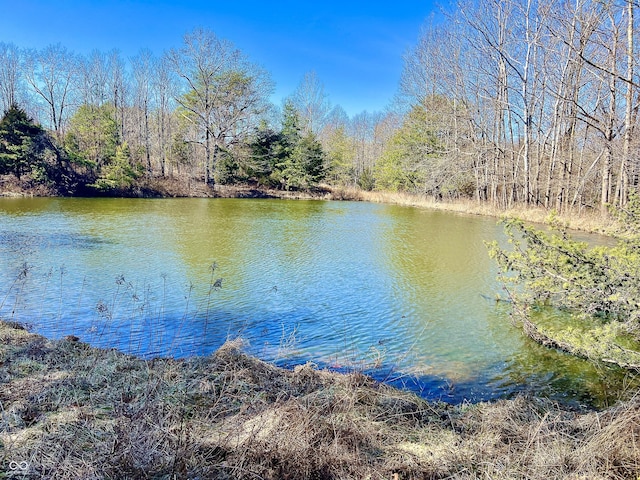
[
  {"x": 10, "y": 75},
  {"x": 623, "y": 182},
  {"x": 370, "y": 132},
  {"x": 241, "y": 101},
  {"x": 198, "y": 63},
  {"x": 118, "y": 91},
  {"x": 489, "y": 35},
  {"x": 51, "y": 74},
  {"x": 312, "y": 103},
  {"x": 93, "y": 75},
  {"x": 143, "y": 66},
  {"x": 163, "y": 86},
  {"x": 221, "y": 91}
]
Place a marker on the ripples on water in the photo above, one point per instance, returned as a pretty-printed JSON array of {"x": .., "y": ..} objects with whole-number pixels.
[{"x": 400, "y": 293}]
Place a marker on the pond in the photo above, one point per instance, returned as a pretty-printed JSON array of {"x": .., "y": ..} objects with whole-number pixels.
[{"x": 404, "y": 294}]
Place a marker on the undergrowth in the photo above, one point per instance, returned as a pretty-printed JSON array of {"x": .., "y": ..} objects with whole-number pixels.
[{"x": 72, "y": 411}]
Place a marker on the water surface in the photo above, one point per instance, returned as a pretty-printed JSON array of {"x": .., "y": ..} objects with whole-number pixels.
[{"x": 402, "y": 293}]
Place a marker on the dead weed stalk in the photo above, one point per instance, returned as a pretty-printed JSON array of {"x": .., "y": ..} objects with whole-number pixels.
[{"x": 68, "y": 410}]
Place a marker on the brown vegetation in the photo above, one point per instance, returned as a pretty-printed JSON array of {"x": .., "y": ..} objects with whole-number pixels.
[
  {"x": 179, "y": 186},
  {"x": 170, "y": 187},
  {"x": 72, "y": 411},
  {"x": 10, "y": 186},
  {"x": 595, "y": 221}
]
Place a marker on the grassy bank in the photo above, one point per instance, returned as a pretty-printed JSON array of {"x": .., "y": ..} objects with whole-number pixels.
[
  {"x": 72, "y": 411},
  {"x": 587, "y": 220}
]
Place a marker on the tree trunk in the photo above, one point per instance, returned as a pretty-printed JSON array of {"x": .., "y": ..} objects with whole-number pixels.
[{"x": 623, "y": 180}]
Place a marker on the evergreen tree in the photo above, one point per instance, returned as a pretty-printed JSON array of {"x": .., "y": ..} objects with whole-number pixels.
[
  {"x": 118, "y": 174},
  {"x": 597, "y": 285},
  {"x": 410, "y": 160},
  {"x": 228, "y": 168},
  {"x": 341, "y": 156},
  {"x": 93, "y": 135},
  {"x": 290, "y": 133},
  {"x": 312, "y": 158},
  {"x": 262, "y": 155},
  {"x": 301, "y": 160},
  {"x": 20, "y": 148}
]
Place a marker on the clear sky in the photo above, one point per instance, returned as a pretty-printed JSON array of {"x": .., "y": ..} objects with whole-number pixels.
[{"x": 355, "y": 47}]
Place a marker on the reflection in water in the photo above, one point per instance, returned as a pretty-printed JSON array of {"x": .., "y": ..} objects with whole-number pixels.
[{"x": 400, "y": 293}]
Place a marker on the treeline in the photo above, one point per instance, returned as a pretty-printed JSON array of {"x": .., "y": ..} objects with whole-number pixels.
[
  {"x": 507, "y": 102},
  {"x": 525, "y": 101},
  {"x": 200, "y": 112}
]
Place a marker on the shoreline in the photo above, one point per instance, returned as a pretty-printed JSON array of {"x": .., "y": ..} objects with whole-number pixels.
[
  {"x": 589, "y": 221},
  {"x": 74, "y": 411}
]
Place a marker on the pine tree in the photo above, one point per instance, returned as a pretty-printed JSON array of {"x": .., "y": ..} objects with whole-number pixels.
[
  {"x": 18, "y": 142},
  {"x": 119, "y": 174},
  {"x": 301, "y": 158},
  {"x": 597, "y": 285},
  {"x": 262, "y": 157},
  {"x": 312, "y": 159}
]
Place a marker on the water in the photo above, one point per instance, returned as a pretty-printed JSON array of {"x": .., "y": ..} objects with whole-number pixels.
[{"x": 404, "y": 294}]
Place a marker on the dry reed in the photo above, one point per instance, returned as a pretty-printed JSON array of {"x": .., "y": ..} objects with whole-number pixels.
[
  {"x": 72, "y": 411},
  {"x": 588, "y": 220}
]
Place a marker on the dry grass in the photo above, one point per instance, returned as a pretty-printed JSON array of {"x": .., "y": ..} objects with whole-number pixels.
[
  {"x": 186, "y": 186},
  {"x": 72, "y": 411},
  {"x": 586, "y": 220}
]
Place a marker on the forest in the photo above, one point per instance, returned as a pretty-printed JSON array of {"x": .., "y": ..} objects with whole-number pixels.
[{"x": 512, "y": 102}]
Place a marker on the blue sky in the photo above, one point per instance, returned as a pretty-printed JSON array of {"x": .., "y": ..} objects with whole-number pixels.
[{"x": 355, "y": 47}]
